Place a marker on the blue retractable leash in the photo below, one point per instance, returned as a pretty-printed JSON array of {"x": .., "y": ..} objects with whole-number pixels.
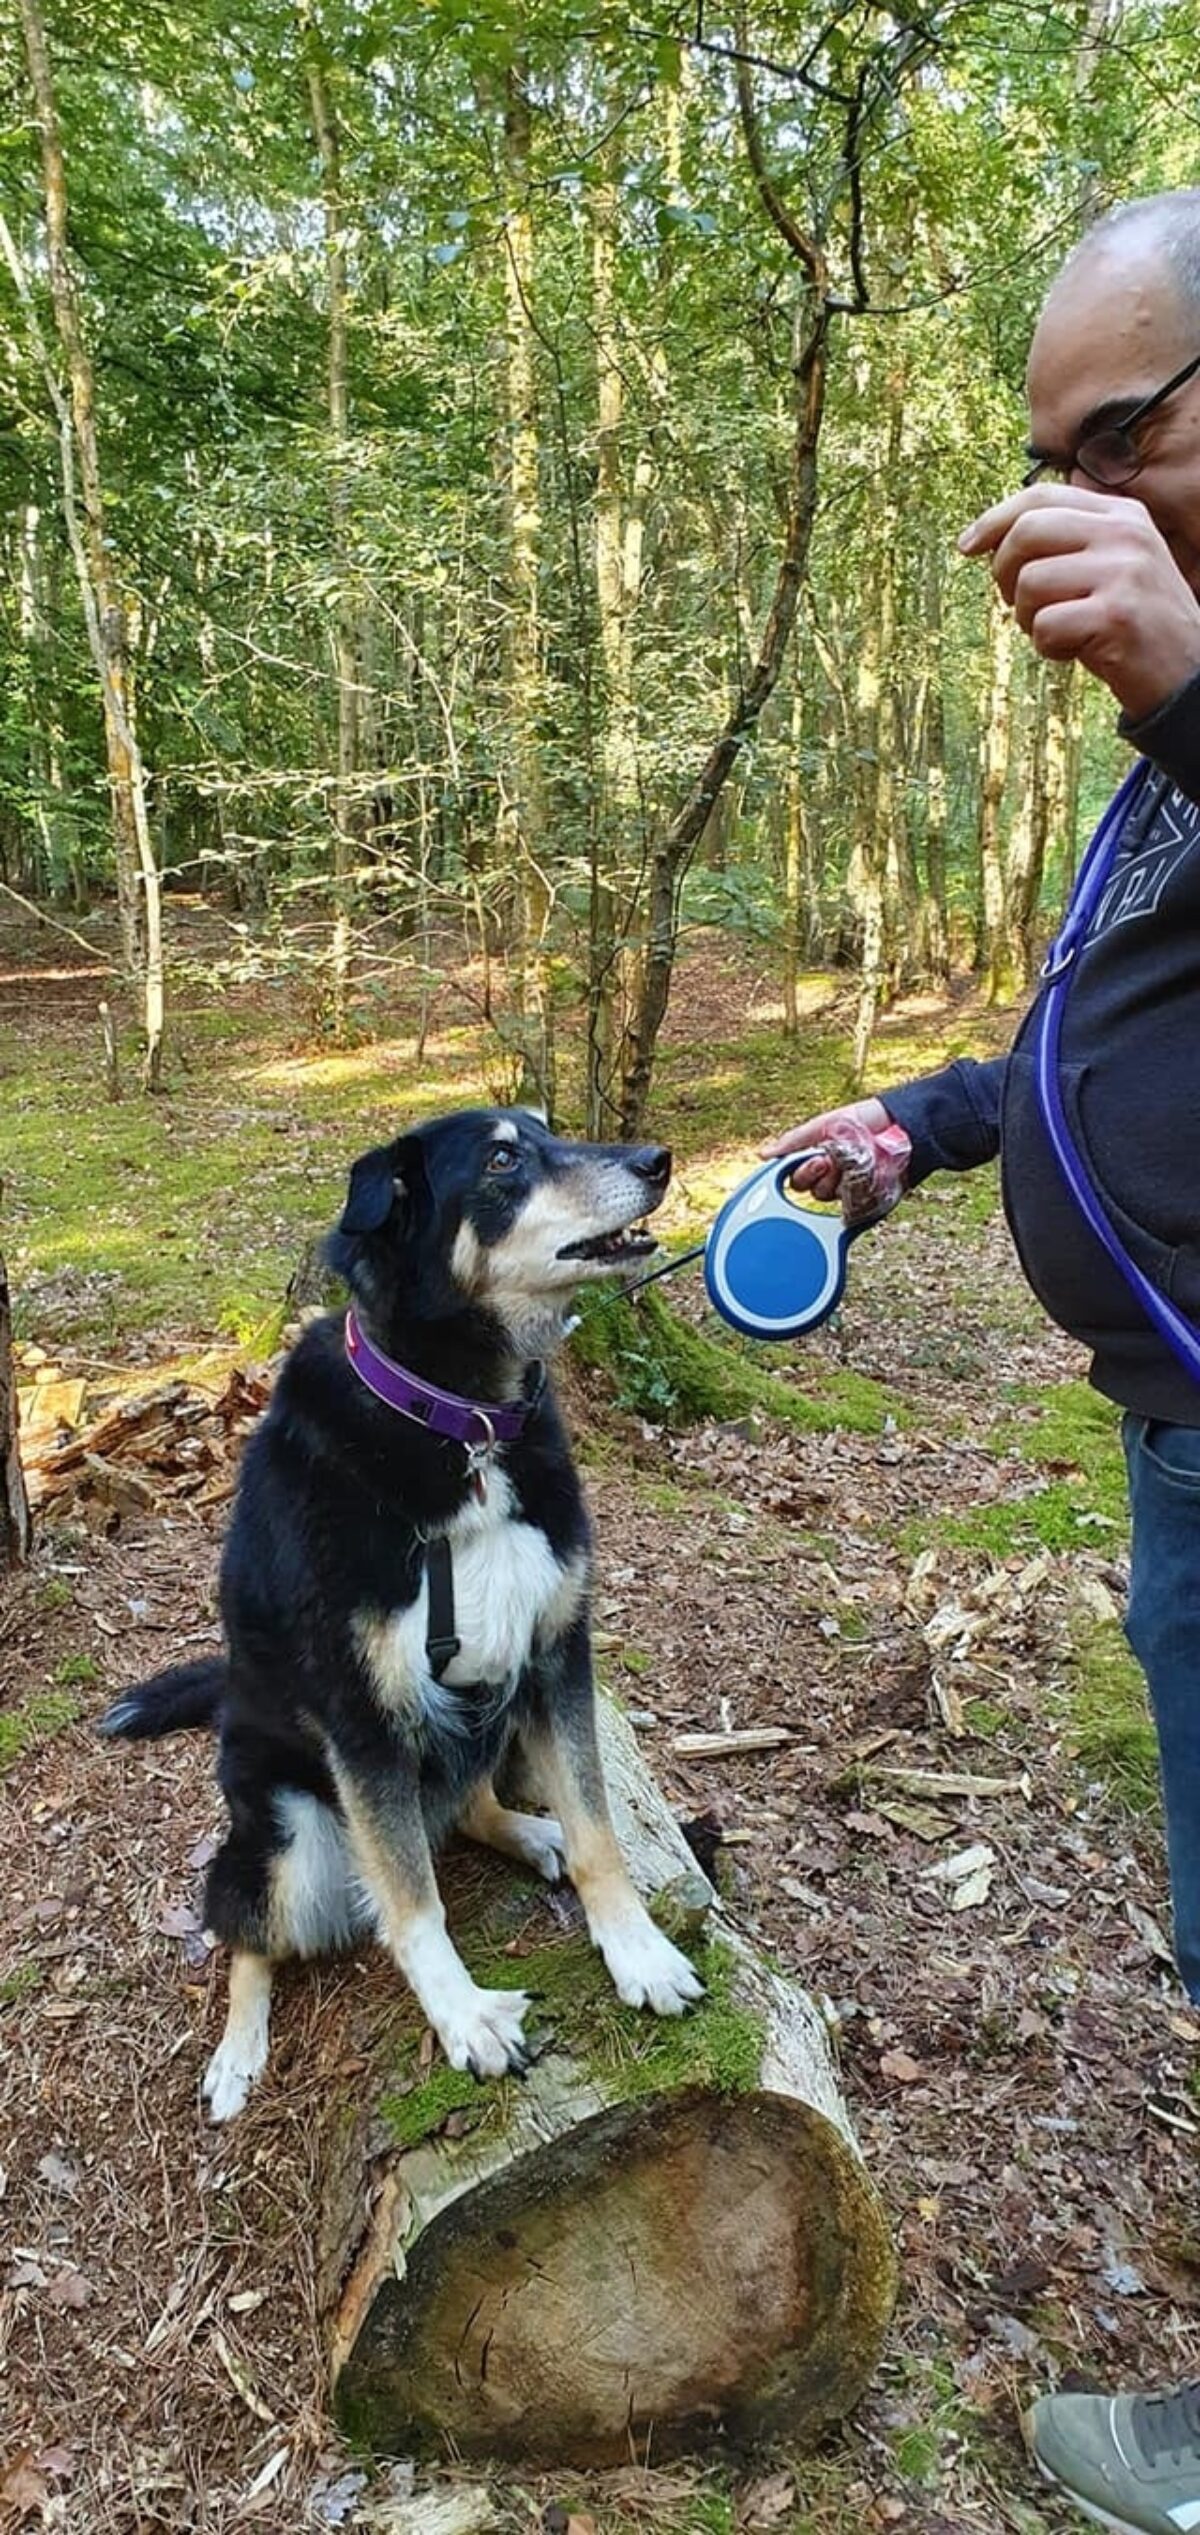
[
  {"x": 1170, "y": 1323},
  {"x": 773, "y": 1268}
]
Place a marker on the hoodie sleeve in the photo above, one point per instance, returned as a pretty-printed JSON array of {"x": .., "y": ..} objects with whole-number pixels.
[
  {"x": 1170, "y": 737},
  {"x": 952, "y": 1118}
]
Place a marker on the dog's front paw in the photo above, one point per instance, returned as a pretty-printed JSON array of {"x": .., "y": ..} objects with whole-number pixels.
[
  {"x": 647, "y": 1970},
  {"x": 231, "y": 2073},
  {"x": 485, "y": 2034}
]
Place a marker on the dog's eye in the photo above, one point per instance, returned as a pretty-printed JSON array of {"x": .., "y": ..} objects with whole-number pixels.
[{"x": 503, "y": 1157}]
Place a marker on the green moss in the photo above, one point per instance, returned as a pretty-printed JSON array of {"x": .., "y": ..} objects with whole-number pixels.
[
  {"x": 1109, "y": 1721},
  {"x": 77, "y": 1669},
  {"x": 424, "y": 2110},
  {"x": 717, "y": 2045},
  {"x": 56, "y": 1595},
  {"x": 22, "y": 1982},
  {"x": 981, "y": 1718},
  {"x": 918, "y": 2452},
  {"x": 35, "y": 1722},
  {"x": 664, "y": 1369},
  {"x": 1075, "y": 1432},
  {"x": 1058, "y": 1516}
]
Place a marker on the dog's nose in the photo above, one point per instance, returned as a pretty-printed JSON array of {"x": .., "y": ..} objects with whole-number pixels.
[{"x": 652, "y": 1162}]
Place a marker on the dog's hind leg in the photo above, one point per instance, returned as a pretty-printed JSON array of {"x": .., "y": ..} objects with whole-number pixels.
[
  {"x": 479, "y": 2029},
  {"x": 241, "y": 2054},
  {"x": 647, "y": 1970},
  {"x": 533, "y": 1839}
]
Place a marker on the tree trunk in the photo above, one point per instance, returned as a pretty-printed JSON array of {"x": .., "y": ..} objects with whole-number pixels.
[
  {"x": 138, "y": 887},
  {"x": 522, "y": 825},
  {"x": 865, "y": 876},
  {"x": 994, "y": 746},
  {"x": 620, "y": 527},
  {"x": 664, "y": 2235},
  {"x": 935, "y": 913},
  {"x": 16, "y": 1529},
  {"x": 347, "y": 625},
  {"x": 673, "y": 851}
]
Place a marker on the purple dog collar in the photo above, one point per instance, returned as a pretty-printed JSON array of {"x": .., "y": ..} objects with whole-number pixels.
[{"x": 440, "y": 1412}]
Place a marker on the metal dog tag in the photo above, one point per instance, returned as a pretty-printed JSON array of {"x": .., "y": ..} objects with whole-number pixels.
[{"x": 773, "y": 1268}]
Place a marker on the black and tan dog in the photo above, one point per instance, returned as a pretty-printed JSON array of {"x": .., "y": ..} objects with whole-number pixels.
[{"x": 405, "y": 1588}]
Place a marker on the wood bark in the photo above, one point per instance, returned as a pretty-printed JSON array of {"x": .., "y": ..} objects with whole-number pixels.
[
  {"x": 935, "y": 913},
  {"x": 347, "y": 616},
  {"x": 665, "y": 2235},
  {"x": 620, "y": 529},
  {"x": 105, "y": 610},
  {"x": 16, "y": 1528},
  {"x": 994, "y": 748},
  {"x": 522, "y": 825},
  {"x": 673, "y": 850}
]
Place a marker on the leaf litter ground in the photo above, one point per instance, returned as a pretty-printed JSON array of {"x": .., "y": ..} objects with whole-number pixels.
[{"x": 943, "y": 1852}]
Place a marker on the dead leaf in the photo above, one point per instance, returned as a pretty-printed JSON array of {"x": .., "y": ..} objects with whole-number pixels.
[
  {"x": 957, "y": 1869},
  {"x": 973, "y": 1888},
  {"x": 766, "y": 2502},
  {"x": 69, "y": 2288},
  {"x": 1150, "y": 1933},
  {"x": 920, "y": 1820},
  {"x": 60, "y": 2176},
  {"x": 900, "y": 2067},
  {"x": 21, "y": 2488},
  {"x": 177, "y": 1919}
]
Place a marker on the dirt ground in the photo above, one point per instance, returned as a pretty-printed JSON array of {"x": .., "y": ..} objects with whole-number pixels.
[{"x": 1018, "y": 2061}]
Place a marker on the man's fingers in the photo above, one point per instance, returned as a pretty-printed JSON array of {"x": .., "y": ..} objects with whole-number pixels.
[
  {"x": 992, "y": 526},
  {"x": 795, "y": 1139},
  {"x": 1048, "y": 581},
  {"x": 1068, "y": 631}
]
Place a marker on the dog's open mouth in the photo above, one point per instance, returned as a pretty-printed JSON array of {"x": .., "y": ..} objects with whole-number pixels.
[{"x": 613, "y": 1249}]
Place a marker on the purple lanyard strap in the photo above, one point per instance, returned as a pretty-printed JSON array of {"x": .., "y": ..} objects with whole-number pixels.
[{"x": 1180, "y": 1335}]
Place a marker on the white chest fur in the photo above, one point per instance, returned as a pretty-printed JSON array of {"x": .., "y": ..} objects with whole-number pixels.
[{"x": 510, "y": 1593}]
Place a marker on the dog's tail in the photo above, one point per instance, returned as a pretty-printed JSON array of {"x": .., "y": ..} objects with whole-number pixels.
[{"x": 189, "y": 1694}]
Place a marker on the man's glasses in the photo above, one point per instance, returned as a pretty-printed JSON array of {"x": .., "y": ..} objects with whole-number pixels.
[{"x": 1110, "y": 456}]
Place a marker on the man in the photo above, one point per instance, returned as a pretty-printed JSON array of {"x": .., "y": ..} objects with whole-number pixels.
[{"x": 1098, "y": 555}]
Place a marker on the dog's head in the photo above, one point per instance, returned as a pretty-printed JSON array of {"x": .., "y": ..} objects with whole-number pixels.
[{"x": 488, "y": 1209}]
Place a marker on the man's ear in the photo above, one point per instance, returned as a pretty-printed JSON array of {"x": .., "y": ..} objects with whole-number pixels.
[{"x": 375, "y": 1188}]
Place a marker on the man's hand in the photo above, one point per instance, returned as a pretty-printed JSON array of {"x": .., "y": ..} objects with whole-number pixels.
[
  {"x": 1089, "y": 578},
  {"x": 862, "y": 1158}
]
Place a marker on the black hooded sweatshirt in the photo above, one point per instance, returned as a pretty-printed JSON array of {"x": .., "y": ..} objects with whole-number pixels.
[{"x": 1130, "y": 1079}]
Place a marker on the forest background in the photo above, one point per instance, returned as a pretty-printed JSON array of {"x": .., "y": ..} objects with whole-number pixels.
[
  {"x": 478, "y": 491},
  {"x": 480, "y": 617}
]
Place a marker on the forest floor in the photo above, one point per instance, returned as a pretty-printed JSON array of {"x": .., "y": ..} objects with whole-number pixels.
[{"x": 926, "y": 1577}]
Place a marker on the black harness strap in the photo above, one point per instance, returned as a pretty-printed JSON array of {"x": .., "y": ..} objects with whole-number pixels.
[{"x": 441, "y": 1644}]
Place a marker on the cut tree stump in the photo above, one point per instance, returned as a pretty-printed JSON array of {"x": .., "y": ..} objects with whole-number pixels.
[
  {"x": 663, "y": 2237},
  {"x": 16, "y": 1529}
]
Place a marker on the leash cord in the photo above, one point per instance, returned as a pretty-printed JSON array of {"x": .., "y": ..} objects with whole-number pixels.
[{"x": 605, "y": 1302}]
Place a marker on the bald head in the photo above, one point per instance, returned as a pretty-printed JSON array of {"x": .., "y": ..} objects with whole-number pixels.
[{"x": 1160, "y": 229}]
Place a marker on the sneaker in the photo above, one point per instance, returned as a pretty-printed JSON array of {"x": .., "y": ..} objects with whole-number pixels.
[{"x": 1130, "y": 2461}]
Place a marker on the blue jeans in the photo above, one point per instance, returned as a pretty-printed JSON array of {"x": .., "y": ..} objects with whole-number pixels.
[{"x": 1163, "y": 1628}]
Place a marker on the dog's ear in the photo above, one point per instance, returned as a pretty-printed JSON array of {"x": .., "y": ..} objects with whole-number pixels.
[{"x": 375, "y": 1187}]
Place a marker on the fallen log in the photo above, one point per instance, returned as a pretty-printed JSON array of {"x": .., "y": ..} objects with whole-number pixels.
[{"x": 663, "y": 2237}]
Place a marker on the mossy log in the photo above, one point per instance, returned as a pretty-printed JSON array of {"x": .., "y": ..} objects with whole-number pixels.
[{"x": 663, "y": 2237}]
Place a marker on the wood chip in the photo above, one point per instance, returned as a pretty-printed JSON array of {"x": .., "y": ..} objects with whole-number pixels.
[
  {"x": 749, "y": 1738},
  {"x": 240, "y": 2379}
]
